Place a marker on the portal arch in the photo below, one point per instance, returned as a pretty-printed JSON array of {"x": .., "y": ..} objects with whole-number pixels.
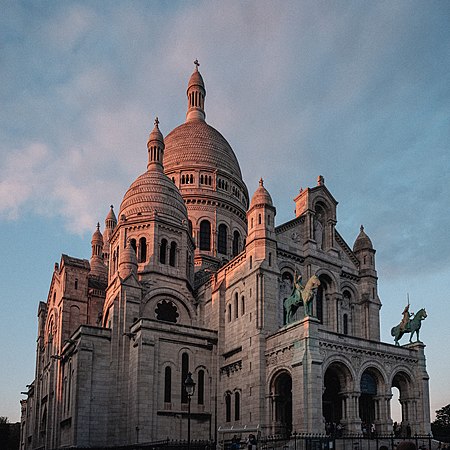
[{"x": 281, "y": 399}]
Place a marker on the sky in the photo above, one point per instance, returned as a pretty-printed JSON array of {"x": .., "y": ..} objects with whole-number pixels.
[{"x": 356, "y": 91}]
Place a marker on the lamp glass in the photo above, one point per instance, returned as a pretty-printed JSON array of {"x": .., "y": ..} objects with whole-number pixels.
[{"x": 189, "y": 384}]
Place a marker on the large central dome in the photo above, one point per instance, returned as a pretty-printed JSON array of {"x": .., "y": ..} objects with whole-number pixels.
[
  {"x": 202, "y": 164},
  {"x": 197, "y": 144}
]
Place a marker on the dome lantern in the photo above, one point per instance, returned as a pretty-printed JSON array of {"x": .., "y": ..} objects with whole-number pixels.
[
  {"x": 196, "y": 94},
  {"x": 155, "y": 146}
]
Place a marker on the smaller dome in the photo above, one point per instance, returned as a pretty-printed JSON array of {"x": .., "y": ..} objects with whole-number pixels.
[
  {"x": 261, "y": 196},
  {"x": 362, "y": 242},
  {"x": 153, "y": 192}
]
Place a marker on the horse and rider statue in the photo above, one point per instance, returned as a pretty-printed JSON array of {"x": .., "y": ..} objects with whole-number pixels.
[
  {"x": 301, "y": 295},
  {"x": 410, "y": 324}
]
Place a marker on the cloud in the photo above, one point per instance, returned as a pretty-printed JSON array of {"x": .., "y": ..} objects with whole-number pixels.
[
  {"x": 305, "y": 89},
  {"x": 21, "y": 178}
]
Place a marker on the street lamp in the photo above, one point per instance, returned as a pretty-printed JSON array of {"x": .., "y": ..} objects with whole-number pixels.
[{"x": 189, "y": 385}]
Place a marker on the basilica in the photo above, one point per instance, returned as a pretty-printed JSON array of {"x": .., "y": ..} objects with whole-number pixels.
[{"x": 194, "y": 279}]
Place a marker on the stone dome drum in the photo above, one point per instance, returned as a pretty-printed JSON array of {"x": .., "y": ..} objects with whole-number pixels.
[{"x": 200, "y": 161}]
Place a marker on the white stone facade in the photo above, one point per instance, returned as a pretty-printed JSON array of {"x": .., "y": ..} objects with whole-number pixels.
[{"x": 192, "y": 278}]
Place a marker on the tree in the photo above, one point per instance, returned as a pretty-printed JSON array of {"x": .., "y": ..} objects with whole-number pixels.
[
  {"x": 4, "y": 432},
  {"x": 9, "y": 434},
  {"x": 441, "y": 426}
]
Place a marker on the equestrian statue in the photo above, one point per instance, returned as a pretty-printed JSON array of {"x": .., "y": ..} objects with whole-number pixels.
[
  {"x": 301, "y": 295},
  {"x": 410, "y": 324}
]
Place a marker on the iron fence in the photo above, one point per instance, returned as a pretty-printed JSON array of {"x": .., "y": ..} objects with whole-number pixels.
[
  {"x": 296, "y": 441},
  {"x": 300, "y": 441}
]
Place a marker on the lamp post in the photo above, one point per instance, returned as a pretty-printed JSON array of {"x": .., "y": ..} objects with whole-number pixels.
[{"x": 189, "y": 385}]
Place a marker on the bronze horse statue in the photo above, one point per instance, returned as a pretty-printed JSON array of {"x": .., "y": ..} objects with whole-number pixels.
[
  {"x": 413, "y": 326},
  {"x": 301, "y": 296}
]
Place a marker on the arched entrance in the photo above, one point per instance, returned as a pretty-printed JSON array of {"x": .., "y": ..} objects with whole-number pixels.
[
  {"x": 368, "y": 386},
  {"x": 336, "y": 383},
  {"x": 331, "y": 402},
  {"x": 282, "y": 404},
  {"x": 402, "y": 382}
]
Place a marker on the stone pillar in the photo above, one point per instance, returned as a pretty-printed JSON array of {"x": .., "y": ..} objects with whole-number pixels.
[
  {"x": 353, "y": 420},
  {"x": 307, "y": 381}
]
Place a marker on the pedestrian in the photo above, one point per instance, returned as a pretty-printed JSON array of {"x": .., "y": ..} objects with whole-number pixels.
[{"x": 251, "y": 442}]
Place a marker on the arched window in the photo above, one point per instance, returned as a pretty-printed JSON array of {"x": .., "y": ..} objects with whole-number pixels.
[
  {"x": 228, "y": 407},
  {"x": 222, "y": 239},
  {"x": 172, "y": 253},
  {"x": 242, "y": 305},
  {"x": 184, "y": 373},
  {"x": 251, "y": 262},
  {"x": 201, "y": 387},
  {"x": 191, "y": 179},
  {"x": 76, "y": 283},
  {"x": 229, "y": 312},
  {"x": 270, "y": 259},
  {"x": 345, "y": 323},
  {"x": 163, "y": 251},
  {"x": 237, "y": 406},
  {"x": 44, "y": 421},
  {"x": 142, "y": 249},
  {"x": 167, "y": 385},
  {"x": 319, "y": 302},
  {"x": 133, "y": 245},
  {"x": 236, "y": 239},
  {"x": 236, "y": 305},
  {"x": 167, "y": 311},
  {"x": 205, "y": 235},
  {"x": 259, "y": 219}
]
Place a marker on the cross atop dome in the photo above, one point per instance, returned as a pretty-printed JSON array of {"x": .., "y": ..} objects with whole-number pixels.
[
  {"x": 196, "y": 64},
  {"x": 156, "y": 121}
]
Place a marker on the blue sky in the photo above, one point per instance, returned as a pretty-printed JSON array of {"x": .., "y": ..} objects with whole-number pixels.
[{"x": 355, "y": 91}]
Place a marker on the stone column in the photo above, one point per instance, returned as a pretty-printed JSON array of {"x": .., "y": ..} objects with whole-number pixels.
[{"x": 353, "y": 420}]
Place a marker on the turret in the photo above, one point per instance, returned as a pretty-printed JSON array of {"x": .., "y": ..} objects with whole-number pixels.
[
  {"x": 98, "y": 267},
  {"x": 261, "y": 225},
  {"x": 110, "y": 224},
  {"x": 364, "y": 251},
  {"x": 127, "y": 261}
]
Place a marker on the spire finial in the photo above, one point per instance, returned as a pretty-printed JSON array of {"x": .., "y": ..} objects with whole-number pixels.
[
  {"x": 196, "y": 64},
  {"x": 361, "y": 228},
  {"x": 112, "y": 206},
  {"x": 98, "y": 226},
  {"x": 156, "y": 121},
  {"x": 261, "y": 182}
]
